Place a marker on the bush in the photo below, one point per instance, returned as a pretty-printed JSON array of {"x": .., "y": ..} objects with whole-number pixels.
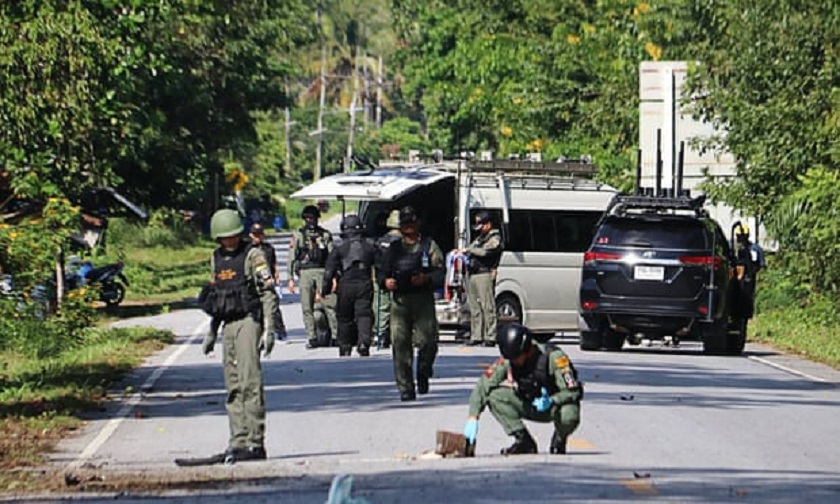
[{"x": 166, "y": 228}]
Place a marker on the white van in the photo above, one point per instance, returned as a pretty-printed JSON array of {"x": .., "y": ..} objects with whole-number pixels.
[{"x": 546, "y": 212}]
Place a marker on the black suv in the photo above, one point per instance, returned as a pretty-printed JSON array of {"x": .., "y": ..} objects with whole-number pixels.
[{"x": 657, "y": 267}]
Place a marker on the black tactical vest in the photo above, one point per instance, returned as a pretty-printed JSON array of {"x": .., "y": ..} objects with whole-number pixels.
[
  {"x": 407, "y": 264},
  {"x": 234, "y": 297},
  {"x": 491, "y": 260},
  {"x": 356, "y": 254},
  {"x": 537, "y": 374},
  {"x": 313, "y": 252}
]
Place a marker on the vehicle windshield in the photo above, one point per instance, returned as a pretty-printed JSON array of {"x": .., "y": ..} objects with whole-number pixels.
[{"x": 652, "y": 233}]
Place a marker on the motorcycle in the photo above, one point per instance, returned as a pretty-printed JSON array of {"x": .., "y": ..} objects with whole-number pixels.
[{"x": 110, "y": 280}]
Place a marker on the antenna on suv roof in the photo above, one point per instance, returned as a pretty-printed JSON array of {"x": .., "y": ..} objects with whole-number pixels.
[
  {"x": 678, "y": 180},
  {"x": 658, "y": 181}
]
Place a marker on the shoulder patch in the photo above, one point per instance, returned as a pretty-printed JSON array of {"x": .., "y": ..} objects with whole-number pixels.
[
  {"x": 561, "y": 362},
  {"x": 492, "y": 367}
]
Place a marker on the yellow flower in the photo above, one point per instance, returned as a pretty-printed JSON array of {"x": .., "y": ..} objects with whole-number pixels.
[
  {"x": 4, "y": 226},
  {"x": 535, "y": 145},
  {"x": 13, "y": 235},
  {"x": 642, "y": 8},
  {"x": 517, "y": 100},
  {"x": 506, "y": 131},
  {"x": 572, "y": 39},
  {"x": 654, "y": 50},
  {"x": 588, "y": 28}
]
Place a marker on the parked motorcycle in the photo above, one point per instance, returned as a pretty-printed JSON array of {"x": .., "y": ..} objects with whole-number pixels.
[{"x": 109, "y": 280}]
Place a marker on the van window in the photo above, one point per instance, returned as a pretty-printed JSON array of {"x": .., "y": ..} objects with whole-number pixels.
[{"x": 546, "y": 230}]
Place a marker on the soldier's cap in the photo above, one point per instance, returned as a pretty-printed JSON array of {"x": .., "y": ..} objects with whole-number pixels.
[
  {"x": 408, "y": 216},
  {"x": 481, "y": 218},
  {"x": 257, "y": 229}
]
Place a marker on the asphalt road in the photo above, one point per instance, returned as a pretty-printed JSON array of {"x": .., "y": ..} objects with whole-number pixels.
[{"x": 658, "y": 424}]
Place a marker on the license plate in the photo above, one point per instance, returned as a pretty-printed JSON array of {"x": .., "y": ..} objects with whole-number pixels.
[{"x": 649, "y": 273}]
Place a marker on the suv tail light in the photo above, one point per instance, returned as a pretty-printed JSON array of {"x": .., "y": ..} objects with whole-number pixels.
[
  {"x": 701, "y": 260},
  {"x": 600, "y": 256},
  {"x": 589, "y": 305}
]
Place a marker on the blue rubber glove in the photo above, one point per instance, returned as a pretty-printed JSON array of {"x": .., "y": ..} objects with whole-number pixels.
[
  {"x": 542, "y": 403},
  {"x": 471, "y": 430}
]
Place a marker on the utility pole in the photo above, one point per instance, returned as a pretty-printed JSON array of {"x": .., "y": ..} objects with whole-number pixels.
[
  {"x": 323, "y": 84},
  {"x": 366, "y": 91},
  {"x": 287, "y": 170},
  {"x": 379, "y": 95},
  {"x": 351, "y": 133}
]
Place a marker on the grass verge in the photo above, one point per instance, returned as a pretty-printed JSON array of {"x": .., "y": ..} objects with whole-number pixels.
[
  {"x": 41, "y": 400},
  {"x": 795, "y": 330}
]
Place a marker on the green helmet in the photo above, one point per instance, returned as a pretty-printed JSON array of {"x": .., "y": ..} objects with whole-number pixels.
[
  {"x": 393, "y": 221},
  {"x": 226, "y": 223}
]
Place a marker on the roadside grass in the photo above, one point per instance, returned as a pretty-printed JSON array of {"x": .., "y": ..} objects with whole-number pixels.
[
  {"x": 160, "y": 275},
  {"x": 794, "y": 330},
  {"x": 43, "y": 399}
]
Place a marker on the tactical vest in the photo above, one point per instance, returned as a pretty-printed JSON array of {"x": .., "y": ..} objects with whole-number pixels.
[
  {"x": 490, "y": 261},
  {"x": 530, "y": 380},
  {"x": 312, "y": 252},
  {"x": 233, "y": 297},
  {"x": 356, "y": 254},
  {"x": 407, "y": 264}
]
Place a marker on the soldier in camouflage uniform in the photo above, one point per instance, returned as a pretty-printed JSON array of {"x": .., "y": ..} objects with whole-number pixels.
[
  {"x": 484, "y": 253},
  {"x": 412, "y": 269},
  {"x": 527, "y": 382},
  {"x": 311, "y": 246},
  {"x": 242, "y": 297}
]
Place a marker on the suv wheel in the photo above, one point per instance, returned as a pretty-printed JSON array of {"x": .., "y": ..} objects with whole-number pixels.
[
  {"x": 613, "y": 341},
  {"x": 590, "y": 340},
  {"x": 737, "y": 336},
  {"x": 715, "y": 336}
]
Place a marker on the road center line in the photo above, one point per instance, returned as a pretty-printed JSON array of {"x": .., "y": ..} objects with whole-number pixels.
[
  {"x": 787, "y": 369},
  {"x": 108, "y": 430}
]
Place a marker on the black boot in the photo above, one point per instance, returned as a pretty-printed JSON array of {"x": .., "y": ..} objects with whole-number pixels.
[
  {"x": 363, "y": 351},
  {"x": 558, "y": 444},
  {"x": 310, "y": 344},
  {"x": 523, "y": 443},
  {"x": 344, "y": 351},
  {"x": 422, "y": 385}
]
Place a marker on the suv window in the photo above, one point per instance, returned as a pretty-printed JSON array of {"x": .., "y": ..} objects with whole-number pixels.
[{"x": 653, "y": 233}]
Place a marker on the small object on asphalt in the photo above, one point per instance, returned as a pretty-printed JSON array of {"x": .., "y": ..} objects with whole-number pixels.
[
  {"x": 641, "y": 474},
  {"x": 627, "y": 397},
  {"x": 341, "y": 491},
  {"x": 201, "y": 461},
  {"x": 453, "y": 445}
]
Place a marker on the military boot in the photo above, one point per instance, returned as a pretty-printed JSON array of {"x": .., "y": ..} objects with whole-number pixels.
[
  {"x": 558, "y": 444},
  {"x": 523, "y": 443},
  {"x": 344, "y": 351}
]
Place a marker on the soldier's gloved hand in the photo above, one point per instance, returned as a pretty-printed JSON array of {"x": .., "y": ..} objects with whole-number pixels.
[
  {"x": 267, "y": 343},
  {"x": 471, "y": 430},
  {"x": 209, "y": 342},
  {"x": 542, "y": 403}
]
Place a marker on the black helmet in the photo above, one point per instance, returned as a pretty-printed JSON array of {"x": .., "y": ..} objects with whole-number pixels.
[
  {"x": 408, "y": 216},
  {"x": 514, "y": 340},
  {"x": 311, "y": 211},
  {"x": 481, "y": 218},
  {"x": 352, "y": 222}
]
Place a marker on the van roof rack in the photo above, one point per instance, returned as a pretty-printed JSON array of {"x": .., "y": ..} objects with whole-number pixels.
[{"x": 570, "y": 168}]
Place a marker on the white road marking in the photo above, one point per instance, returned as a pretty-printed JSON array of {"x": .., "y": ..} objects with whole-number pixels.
[
  {"x": 112, "y": 425},
  {"x": 787, "y": 369}
]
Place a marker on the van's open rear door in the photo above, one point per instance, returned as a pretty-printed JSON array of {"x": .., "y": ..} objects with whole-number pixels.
[{"x": 378, "y": 185}]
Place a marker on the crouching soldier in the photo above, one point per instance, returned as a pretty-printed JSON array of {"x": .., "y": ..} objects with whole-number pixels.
[{"x": 531, "y": 383}]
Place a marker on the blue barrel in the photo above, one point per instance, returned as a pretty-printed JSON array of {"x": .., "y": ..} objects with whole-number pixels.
[{"x": 279, "y": 222}]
